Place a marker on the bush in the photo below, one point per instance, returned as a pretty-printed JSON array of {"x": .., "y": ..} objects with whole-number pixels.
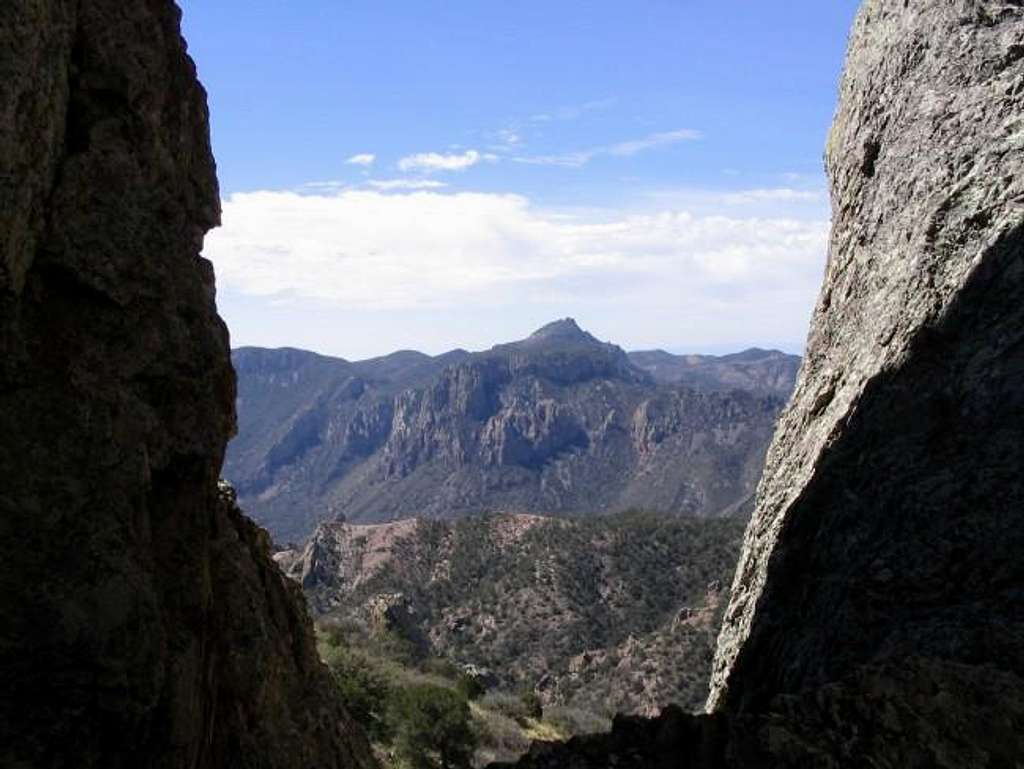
[
  {"x": 469, "y": 686},
  {"x": 532, "y": 704},
  {"x": 500, "y": 737},
  {"x": 364, "y": 690},
  {"x": 431, "y": 725}
]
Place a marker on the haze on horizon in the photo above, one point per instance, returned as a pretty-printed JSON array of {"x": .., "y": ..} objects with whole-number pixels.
[{"x": 423, "y": 177}]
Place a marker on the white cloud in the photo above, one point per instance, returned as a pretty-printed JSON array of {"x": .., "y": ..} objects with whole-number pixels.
[
  {"x": 434, "y": 161},
  {"x": 364, "y": 250},
  {"x": 325, "y": 186},
  {"x": 405, "y": 184},
  {"x": 804, "y": 203},
  {"x": 362, "y": 159},
  {"x": 630, "y": 148},
  {"x": 620, "y": 149},
  {"x": 773, "y": 195}
]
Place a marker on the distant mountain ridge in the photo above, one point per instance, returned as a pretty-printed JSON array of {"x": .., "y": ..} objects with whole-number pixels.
[
  {"x": 557, "y": 423},
  {"x": 757, "y": 370}
]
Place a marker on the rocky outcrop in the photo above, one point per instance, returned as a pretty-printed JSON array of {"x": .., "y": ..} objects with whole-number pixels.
[
  {"x": 340, "y": 557},
  {"x": 555, "y": 423},
  {"x": 144, "y": 623},
  {"x": 890, "y": 520}
]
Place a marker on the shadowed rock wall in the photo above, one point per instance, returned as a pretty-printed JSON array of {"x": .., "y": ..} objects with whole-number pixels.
[
  {"x": 144, "y": 624},
  {"x": 890, "y": 520}
]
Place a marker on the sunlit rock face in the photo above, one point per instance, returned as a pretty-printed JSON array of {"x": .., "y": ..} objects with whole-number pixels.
[
  {"x": 890, "y": 520},
  {"x": 144, "y": 623}
]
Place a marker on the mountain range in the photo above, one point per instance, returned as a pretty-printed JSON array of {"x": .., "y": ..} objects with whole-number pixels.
[{"x": 558, "y": 423}]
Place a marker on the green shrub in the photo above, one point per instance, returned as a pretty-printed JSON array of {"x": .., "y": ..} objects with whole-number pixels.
[
  {"x": 364, "y": 690},
  {"x": 469, "y": 686},
  {"x": 431, "y": 726},
  {"x": 531, "y": 704}
]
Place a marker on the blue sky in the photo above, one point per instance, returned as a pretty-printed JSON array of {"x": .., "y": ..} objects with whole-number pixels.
[{"x": 431, "y": 175}]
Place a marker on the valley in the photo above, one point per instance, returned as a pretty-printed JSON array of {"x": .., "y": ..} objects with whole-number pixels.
[
  {"x": 540, "y": 534},
  {"x": 584, "y": 617}
]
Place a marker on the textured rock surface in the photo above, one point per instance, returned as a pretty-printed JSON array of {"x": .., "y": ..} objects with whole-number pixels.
[
  {"x": 555, "y": 423},
  {"x": 144, "y": 623},
  {"x": 890, "y": 521}
]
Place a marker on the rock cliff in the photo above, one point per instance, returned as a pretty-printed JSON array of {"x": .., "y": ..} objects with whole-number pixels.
[
  {"x": 890, "y": 520},
  {"x": 555, "y": 423},
  {"x": 877, "y": 613},
  {"x": 144, "y": 623}
]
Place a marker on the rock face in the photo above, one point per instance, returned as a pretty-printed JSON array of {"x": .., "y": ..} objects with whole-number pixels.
[
  {"x": 555, "y": 423},
  {"x": 890, "y": 521},
  {"x": 144, "y": 623}
]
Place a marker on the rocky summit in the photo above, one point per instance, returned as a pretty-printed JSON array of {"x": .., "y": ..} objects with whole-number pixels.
[
  {"x": 877, "y": 614},
  {"x": 556, "y": 423},
  {"x": 144, "y": 623}
]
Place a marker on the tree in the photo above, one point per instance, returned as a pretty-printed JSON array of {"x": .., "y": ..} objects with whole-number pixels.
[
  {"x": 432, "y": 727},
  {"x": 364, "y": 690}
]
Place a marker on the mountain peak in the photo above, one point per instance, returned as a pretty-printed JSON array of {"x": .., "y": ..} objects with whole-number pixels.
[{"x": 565, "y": 329}]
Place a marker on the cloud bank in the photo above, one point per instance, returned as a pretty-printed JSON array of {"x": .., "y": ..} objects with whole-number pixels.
[{"x": 364, "y": 250}]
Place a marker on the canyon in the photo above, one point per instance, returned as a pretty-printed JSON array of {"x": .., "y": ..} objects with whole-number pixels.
[{"x": 877, "y": 614}]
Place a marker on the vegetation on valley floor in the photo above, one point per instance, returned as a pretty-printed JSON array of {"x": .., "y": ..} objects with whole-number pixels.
[
  {"x": 422, "y": 712},
  {"x": 577, "y": 619}
]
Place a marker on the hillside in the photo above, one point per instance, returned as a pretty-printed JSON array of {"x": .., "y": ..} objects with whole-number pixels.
[
  {"x": 601, "y": 614},
  {"x": 762, "y": 371},
  {"x": 557, "y": 423}
]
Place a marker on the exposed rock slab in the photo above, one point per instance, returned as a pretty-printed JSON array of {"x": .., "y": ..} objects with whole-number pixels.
[
  {"x": 890, "y": 520},
  {"x": 144, "y": 623}
]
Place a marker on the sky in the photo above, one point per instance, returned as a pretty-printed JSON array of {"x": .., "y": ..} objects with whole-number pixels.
[{"x": 400, "y": 174}]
